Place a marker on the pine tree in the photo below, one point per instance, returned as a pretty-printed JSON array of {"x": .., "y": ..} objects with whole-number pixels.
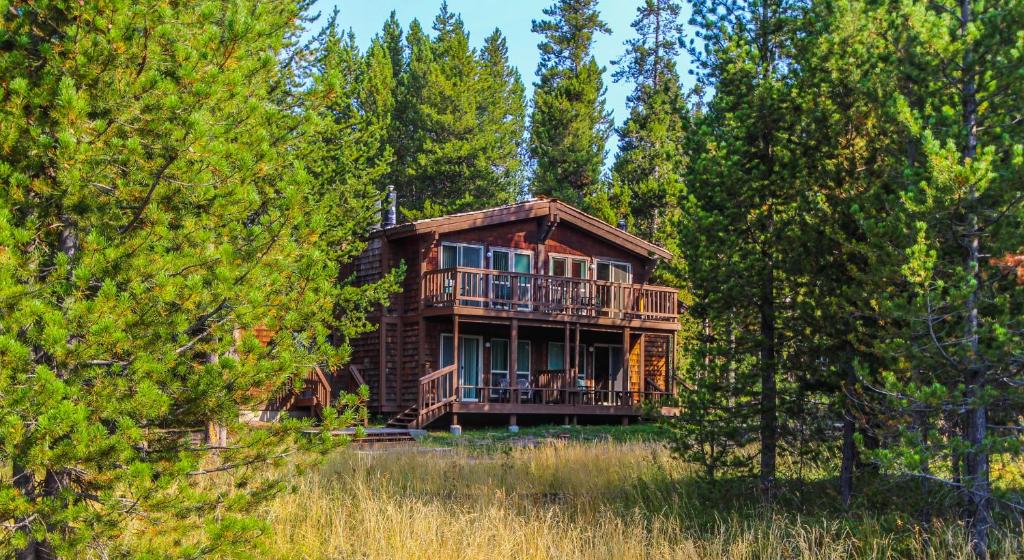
[
  {"x": 569, "y": 126},
  {"x": 648, "y": 170},
  {"x": 457, "y": 148},
  {"x": 744, "y": 214},
  {"x": 957, "y": 316},
  {"x": 502, "y": 109},
  {"x": 155, "y": 208}
]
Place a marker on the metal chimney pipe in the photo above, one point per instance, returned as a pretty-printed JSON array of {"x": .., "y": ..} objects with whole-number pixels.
[
  {"x": 622, "y": 224},
  {"x": 391, "y": 213}
]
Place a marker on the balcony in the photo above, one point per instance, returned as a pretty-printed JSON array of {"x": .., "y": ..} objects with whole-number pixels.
[{"x": 498, "y": 293}]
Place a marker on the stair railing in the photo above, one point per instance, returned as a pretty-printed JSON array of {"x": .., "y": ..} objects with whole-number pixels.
[{"x": 437, "y": 389}]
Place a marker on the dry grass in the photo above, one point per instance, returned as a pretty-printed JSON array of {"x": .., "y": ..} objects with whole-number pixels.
[{"x": 562, "y": 501}]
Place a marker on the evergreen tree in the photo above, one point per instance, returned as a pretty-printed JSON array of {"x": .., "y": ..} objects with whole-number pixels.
[
  {"x": 155, "y": 208},
  {"x": 648, "y": 170},
  {"x": 740, "y": 225},
  {"x": 957, "y": 337},
  {"x": 502, "y": 108},
  {"x": 569, "y": 126},
  {"x": 457, "y": 148}
]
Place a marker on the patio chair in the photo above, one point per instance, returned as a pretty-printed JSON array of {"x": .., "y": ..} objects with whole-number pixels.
[{"x": 524, "y": 390}]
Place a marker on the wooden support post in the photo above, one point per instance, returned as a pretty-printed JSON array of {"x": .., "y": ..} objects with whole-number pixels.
[
  {"x": 421, "y": 351},
  {"x": 643, "y": 364},
  {"x": 455, "y": 356},
  {"x": 565, "y": 350},
  {"x": 575, "y": 420},
  {"x": 512, "y": 426},
  {"x": 513, "y": 361},
  {"x": 579, "y": 367},
  {"x": 625, "y": 420},
  {"x": 626, "y": 355},
  {"x": 565, "y": 420},
  {"x": 670, "y": 364}
]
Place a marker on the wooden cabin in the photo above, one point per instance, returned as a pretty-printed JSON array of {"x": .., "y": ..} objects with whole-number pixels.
[{"x": 532, "y": 309}]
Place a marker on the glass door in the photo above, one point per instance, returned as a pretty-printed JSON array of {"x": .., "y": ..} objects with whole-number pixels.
[
  {"x": 523, "y": 263},
  {"x": 465, "y": 256},
  {"x": 499, "y": 367},
  {"x": 620, "y": 275},
  {"x": 501, "y": 284},
  {"x": 470, "y": 364}
]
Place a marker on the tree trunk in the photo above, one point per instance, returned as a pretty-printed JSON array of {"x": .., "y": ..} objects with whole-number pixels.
[
  {"x": 976, "y": 476},
  {"x": 24, "y": 482},
  {"x": 849, "y": 448},
  {"x": 769, "y": 391}
]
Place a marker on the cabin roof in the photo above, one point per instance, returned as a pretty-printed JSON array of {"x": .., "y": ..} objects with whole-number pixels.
[{"x": 555, "y": 211}]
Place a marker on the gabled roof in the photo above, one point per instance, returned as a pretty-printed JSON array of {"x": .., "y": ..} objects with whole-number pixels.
[{"x": 554, "y": 210}]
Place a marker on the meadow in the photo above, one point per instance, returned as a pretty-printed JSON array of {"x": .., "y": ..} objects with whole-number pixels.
[{"x": 602, "y": 494}]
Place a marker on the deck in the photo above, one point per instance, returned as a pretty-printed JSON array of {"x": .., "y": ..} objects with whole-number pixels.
[
  {"x": 547, "y": 393},
  {"x": 489, "y": 293}
]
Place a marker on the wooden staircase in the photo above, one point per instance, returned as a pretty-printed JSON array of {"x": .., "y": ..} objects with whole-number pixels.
[
  {"x": 315, "y": 395},
  {"x": 437, "y": 393}
]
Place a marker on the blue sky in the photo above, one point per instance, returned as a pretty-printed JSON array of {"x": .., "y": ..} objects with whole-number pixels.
[{"x": 514, "y": 19}]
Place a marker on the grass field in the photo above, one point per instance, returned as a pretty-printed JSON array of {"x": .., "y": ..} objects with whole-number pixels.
[{"x": 606, "y": 494}]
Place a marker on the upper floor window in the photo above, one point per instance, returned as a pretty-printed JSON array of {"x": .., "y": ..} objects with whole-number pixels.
[
  {"x": 614, "y": 271},
  {"x": 462, "y": 254},
  {"x": 571, "y": 267}
]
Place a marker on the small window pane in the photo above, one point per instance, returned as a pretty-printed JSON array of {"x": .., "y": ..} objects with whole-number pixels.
[
  {"x": 472, "y": 257},
  {"x": 603, "y": 271},
  {"x": 579, "y": 268},
  {"x": 556, "y": 355},
  {"x": 558, "y": 266},
  {"x": 449, "y": 256},
  {"x": 499, "y": 260},
  {"x": 523, "y": 357},
  {"x": 499, "y": 355},
  {"x": 447, "y": 350}
]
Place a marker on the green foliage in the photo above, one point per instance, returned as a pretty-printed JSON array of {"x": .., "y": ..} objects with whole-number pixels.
[
  {"x": 166, "y": 189},
  {"x": 569, "y": 125},
  {"x": 457, "y": 129},
  {"x": 648, "y": 171}
]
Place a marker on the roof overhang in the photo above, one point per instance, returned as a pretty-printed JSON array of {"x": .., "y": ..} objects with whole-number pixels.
[{"x": 554, "y": 210}]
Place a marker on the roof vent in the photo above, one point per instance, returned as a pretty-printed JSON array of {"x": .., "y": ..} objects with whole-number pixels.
[
  {"x": 391, "y": 211},
  {"x": 622, "y": 224}
]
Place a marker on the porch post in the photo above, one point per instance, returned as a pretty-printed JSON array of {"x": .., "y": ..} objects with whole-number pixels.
[
  {"x": 643, "y": 364},
  {"x": 455, "y": 357},
  {"x": 565, "y": 349},
  {"x": 579, "y": 367},
  {"x": 513, "y": 362},
  {"x": 625, "y": 358},
  {"x": 670, "y": 367}
]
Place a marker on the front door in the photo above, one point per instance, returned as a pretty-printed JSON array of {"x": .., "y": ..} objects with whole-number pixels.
[
  {"x": 608, "y": 371},
  {"x": 470, "y": 364}
]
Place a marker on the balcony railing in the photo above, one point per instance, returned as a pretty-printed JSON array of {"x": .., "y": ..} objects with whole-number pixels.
[{"x": 519, "y": 291}]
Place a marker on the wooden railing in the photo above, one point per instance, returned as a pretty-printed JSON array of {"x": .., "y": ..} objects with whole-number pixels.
[
  {"x": 519, "y": 291},
  {"x": 317, "y": 388},
  {"x": 436, "y": 390},
  {"x": 564, "y": 395}
]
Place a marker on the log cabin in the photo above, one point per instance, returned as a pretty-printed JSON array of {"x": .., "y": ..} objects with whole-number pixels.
[{"x": 534, "y": 309}]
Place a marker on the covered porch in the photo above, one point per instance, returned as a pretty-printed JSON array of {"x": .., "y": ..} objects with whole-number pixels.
[{"x": 514, "y": 367}]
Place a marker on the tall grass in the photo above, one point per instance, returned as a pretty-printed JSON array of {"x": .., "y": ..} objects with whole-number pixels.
[{"x": 566, "y": 501}]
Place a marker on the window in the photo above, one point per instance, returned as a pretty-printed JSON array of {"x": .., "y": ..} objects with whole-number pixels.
[
  {"x": 505, "y": 288},
  {"x": 461, "y": 254},
  {"x": 464, "y": 256},
  {"x": 499, "y": 356},
  {"x": 569, "y": 267},
  {"x": 556, "y": 356},
  {"x": 447, "y": 350},
  {"x": 523, "y": 360},
  {"x": 613, "y": 271}
]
